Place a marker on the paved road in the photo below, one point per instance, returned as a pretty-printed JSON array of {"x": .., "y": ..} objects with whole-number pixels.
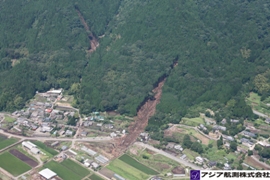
[
  {"x": 89, "y": 139},
  {"x": 181, "y": 161}
]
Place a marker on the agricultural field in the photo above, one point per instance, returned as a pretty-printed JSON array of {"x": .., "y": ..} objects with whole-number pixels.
[
  {"x": 64, "y": 172},
  {"x": 23, "y": 157},
  {"x": 178, "y": 133},
  {"x": 126, "y": 171},
  {"x": 190, "y": 154},
  {"x": 95, "y": 177},
  {"x": 12, "y": 164},
  {"x": 192, "y": 121},
  {"x": 75, "y": 167},
  {"x": 5, "y": 142},
  {"x": 151, "y": 159},
  {"x": 132, "y": 162},
  {"x": 254, "y": 100},
  {"x": 9, "y": 119},
  {"x": 45, "y": 148},
  {"x": 250, "y": 161}
]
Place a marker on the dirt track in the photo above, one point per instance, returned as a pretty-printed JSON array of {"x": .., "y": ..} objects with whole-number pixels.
[
  {"x": 23, "y": 157},
  {"x": 93, "y": 40},
  {"x": 140, "y": 122}
]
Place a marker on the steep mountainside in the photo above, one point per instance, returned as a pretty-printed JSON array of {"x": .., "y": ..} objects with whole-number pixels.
[{"x": 220, "y": 46}]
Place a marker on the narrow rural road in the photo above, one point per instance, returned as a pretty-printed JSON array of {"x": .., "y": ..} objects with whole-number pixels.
[
  {"x": 196, "y": 129},
  {"x": 89, "y": 139},
  {"x": 181, "y": 161},
  {"x": 267, "y": 167},
  {"x": 260, "y": 114}
]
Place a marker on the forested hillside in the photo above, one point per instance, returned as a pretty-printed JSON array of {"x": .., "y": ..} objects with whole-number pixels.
[{"x": 220, "y": 47}]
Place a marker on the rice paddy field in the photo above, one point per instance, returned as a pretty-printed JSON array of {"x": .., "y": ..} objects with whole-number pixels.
[{"x": 12, "y": 164}]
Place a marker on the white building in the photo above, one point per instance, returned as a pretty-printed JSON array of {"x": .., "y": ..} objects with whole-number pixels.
[
  {"x": 199, "y": 159},
  {"x": 95, "y": 165},
  {"x": 35, "y": 150},
  {"x": 113, "y": 134},
  {"x": 32, "y": 147},
  {"x": 47, "y": 173},
  {"x": 178, "y": 147},
  {"x": 28, "y": 145}
]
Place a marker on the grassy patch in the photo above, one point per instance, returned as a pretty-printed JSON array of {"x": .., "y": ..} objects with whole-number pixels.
[
  {"x": 192, "y": 121},
  {"x": 95, "y": 177},
  {"x": 190, "y": 154},
  {"x": 215, "y": 154},
  {"x": 62, "y": 171},
  {"x": 9, "y": 119},
  {"x": 126, "y": 171},
  {"x": 132, "y": 162},
  {"x": 45, "y": 148},
  {"x": 254, "y": 100},
  {"x": 7, "y": 142},
  {"x": 75, "y": 167},
  {"x": 12, "y": 164}
]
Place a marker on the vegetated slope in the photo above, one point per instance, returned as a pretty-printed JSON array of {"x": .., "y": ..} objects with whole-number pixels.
[
  {"x": 43, "y": 44},
  {"x": 220, "y": 46}
]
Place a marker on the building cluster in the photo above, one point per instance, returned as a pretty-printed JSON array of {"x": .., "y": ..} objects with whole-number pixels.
[
  {"x": 40, "y": 115},
  {"x": 96, "y": 160},
  {"x": 31, "y": 147}
]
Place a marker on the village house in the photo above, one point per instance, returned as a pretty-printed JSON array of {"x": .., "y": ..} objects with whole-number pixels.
[
  {"x": 183, "y": 156},
  {"x": 68, "y": 133},
  {"x": 95, "y": 165},
  {"x": 229, "y": 138},
  {"x": 170, "y": 145},
  {"x": 202, "y": 127},
  {"x": 240, "y": 149},
  {"x": 108, "y": 126},
  {"x": 144, "y": 136},
  {"x": 199, "y": 159},
  {"x": 55, "y": 143},
  {"x": 234, "y": 121},
  {"x": 224, "y": 121},
  {"x": 63, "y": 148},
  {"x": 264, "y": 144},
  {"x": 212, "y": 163},
  {"x": 99, "y": 124},
  {"x": 249, "y": 134},
  {"x": 178, "y": 147},
  {"x": 216, "y": 127},
  {"x": 227, "y": 166},
  {"x": 84, "y": 133},
  {"x": 246, "y": 142},
  {"x": 113, "y": 134},
  {"x": 46, "y": 129},
  {"x": 87, "y": 123}
]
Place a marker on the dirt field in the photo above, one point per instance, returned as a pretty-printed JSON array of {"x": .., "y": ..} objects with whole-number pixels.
[
  {"x": 103, "y": 148},
  {"x": 23, "y": 157},
  {"x": 251, "y": 161},
  {"x": 150, "y": 152},
  {"x": 106, "y": 172},
  {"x": 202, "y": 138},
  {"x": 169, "y": 132},
  {"x": 135, "y": 150},
  {"x": 144, "y": 113}
]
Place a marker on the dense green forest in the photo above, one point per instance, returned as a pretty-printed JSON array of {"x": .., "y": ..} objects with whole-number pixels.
[{"x": 222, "y": 50}]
